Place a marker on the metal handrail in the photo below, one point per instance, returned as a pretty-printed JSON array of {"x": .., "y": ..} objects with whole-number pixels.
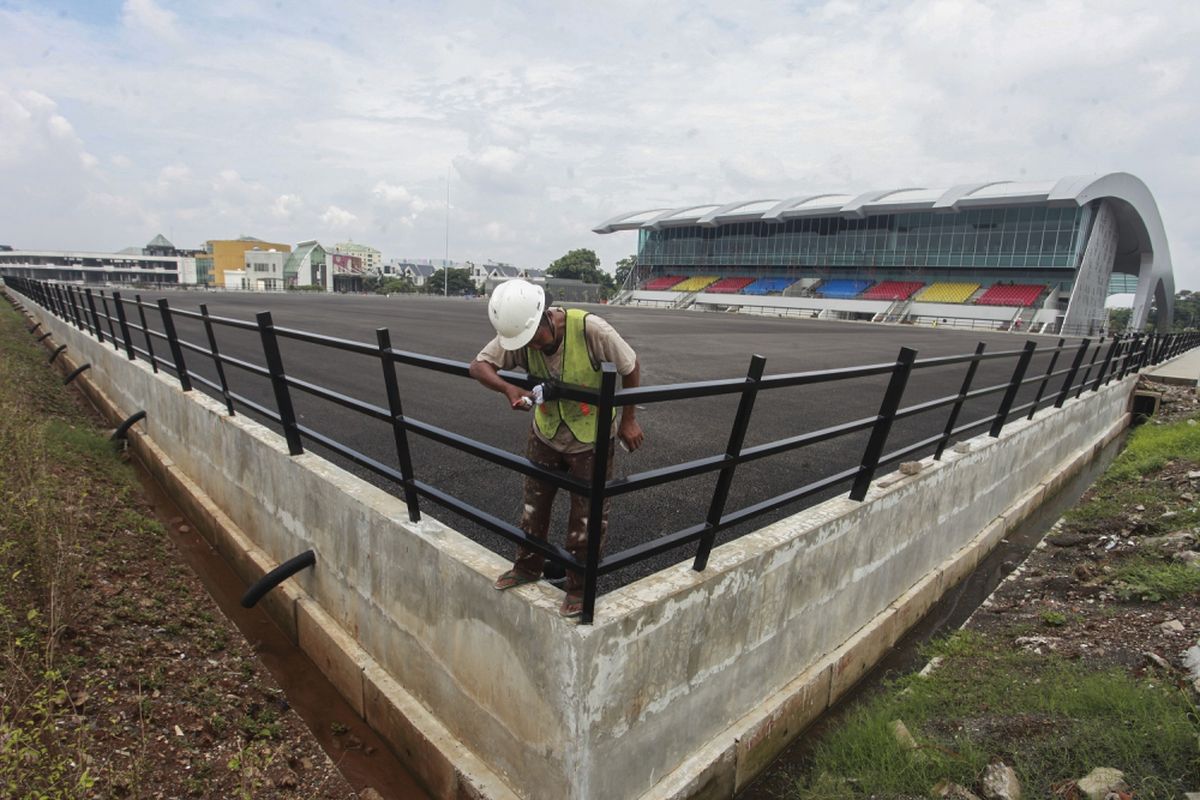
[{"x": 1092, "y": 364}]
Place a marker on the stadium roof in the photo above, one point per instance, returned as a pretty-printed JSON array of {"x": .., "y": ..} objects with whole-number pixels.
[{"x": 1070, "y": 191}]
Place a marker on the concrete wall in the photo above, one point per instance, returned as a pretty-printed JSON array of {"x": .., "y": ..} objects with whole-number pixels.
[{"x": 686, "y": 683}]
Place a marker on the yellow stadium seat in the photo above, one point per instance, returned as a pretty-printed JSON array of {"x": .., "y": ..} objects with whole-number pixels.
[
  {"x": 695, "y": 284},
  {"x": 947, "y": 292}
]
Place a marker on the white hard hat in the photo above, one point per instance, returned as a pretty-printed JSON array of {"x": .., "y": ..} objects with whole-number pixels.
[{"x": 515, "y": 310}]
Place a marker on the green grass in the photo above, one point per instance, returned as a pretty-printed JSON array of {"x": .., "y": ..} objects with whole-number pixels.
[
  {"x": 1152, "y": 446},
  {"x": 1052, "y": 720},
  {"x": 1122, "y": 488},
  {"x": 1153, "y": 580}
]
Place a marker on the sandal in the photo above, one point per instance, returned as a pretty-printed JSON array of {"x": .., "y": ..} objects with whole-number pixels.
[
  {"x": 572, "y": 605},
  {"x": 513, "y": 579}
]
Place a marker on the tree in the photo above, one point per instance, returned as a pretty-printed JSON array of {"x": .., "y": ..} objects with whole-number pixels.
[
  {"x": 397, "y": 286},
  {"x": 582, "y": 264},
  {"x": 460, "y": 282},
  {"x": 625, "y": 266}
]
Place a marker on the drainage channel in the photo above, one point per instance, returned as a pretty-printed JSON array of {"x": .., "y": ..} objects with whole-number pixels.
[
  {"x": 948, "y": 614},
  {"x": 308, "y": 692}
]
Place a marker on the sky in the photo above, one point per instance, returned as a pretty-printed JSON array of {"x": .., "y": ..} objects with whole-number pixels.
[{"x": 293, "y": 121}]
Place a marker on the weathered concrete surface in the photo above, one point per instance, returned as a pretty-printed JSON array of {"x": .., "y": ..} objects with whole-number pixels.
[{"x": 686, "y": 683}]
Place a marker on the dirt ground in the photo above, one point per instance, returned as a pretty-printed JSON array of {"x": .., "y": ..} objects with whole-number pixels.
[
  {"x": 1064, "y": 594},
  {"x": 119, "y": 675}
]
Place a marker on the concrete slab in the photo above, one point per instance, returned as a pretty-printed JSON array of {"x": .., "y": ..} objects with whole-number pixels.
[{"x": 1182, "y": 370}]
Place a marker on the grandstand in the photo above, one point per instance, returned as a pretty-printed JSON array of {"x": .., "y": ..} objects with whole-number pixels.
[{"x": 1038, "y": 256}]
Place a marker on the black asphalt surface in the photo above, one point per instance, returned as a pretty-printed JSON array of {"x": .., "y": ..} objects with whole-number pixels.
[{"x": 673, "y": 347}]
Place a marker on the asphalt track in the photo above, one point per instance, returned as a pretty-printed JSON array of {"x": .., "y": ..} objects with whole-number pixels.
[{"x": 673, "y": 347}]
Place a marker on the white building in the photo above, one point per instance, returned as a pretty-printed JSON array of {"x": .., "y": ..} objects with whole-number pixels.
[
  {"x": 372, "y": 259},
  {"x": 264, "y": 270}
]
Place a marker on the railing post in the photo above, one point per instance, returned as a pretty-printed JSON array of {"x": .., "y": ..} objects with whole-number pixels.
[
  {"x": 1014, "y": 385},
  {"x": 883, "y": 423},
  {"x": 283, "y": 398},
  {"x": 1087, "y": 373},
  {"x": 74, "y": 307},
  {"x": 91, "y": 303},
  {"x": 595, "y": 525},
  {"x": 1112, "y": 348},
  {"x": 146, "y": 331},
  {"x": 733, "y": 448},
  {"x": 123, "y": 323},
  {"x": 56, "y": 302},
  {"x": 216, "y": 356},
  {"x": 108, "y": 316},
  {"x": 185, "y": 380},
  {"x": 399, "y": 432},
  {"x": 1080, "y": 354},
  {"x": 1046, "y": 380},
  {"x": 968, "y": 379}
]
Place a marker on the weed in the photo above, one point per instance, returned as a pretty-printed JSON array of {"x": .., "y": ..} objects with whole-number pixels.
[
  {"x": 1152, "y": 581},
  {"x": 1054, "y": 619},
  {"x": 1054, "y": 719}
]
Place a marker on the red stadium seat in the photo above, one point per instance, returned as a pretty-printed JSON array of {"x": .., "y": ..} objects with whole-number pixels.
[{"x": 1011, "y": 294}]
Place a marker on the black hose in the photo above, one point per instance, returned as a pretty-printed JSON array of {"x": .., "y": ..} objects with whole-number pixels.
[
  {"x": 78, "y": 371},
  {"x": 45, "y": 335},
  {"x": 277, "y": 576},
  {"x": 123, "y": 429},
  {"x": 61, "y": 347},
  {"x": 36, "y": 325}
]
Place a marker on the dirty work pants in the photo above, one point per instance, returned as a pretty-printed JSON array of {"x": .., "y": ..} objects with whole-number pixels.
[{"x": 539, "y": 497}]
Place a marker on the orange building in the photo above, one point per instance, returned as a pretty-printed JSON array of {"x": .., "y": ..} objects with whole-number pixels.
[{"x": 230, "y": 254}]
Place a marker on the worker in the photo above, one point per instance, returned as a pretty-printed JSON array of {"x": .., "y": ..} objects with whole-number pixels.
[{"x": 556, "y": 345}]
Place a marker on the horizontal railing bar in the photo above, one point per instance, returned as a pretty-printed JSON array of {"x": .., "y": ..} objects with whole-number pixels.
[
  {"x": 683, "y": 391},
  {"x": 497, "y": 525},
  {"x": 246, "y": 365},
  {"x": 350, "y": 345},
  {"x": 684, "y": 536},
  {"x": 896, "y": 455},
  {"x": 812, "y": 437},
  {"x": 766, "y": 506},
  {"x": 929, "y": 405},
  {"x": 195, "y": 348},
  {"x": 645, "y": 550},
  {"x": 257, "y": 408},
  {"x": 352, "y": 403},
  {"x": 945, "y": 361},
  {"x": 520, "y": 464},
  {"x": 201, "y": 379},
  {"x": 675, "y": 472},
  {"x": 986, "y": 421}
]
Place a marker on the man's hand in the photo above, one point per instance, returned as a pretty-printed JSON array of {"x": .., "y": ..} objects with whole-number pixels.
[
  {"x": 518, "y": 398},
  {"x": 489, "y": 376},
  {"x": 630, "y": 433}
]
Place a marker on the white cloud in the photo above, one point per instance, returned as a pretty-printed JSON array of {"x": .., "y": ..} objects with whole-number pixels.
[
  {"x": 548, "y": 123},
  {"x": 336, "y": 217},
  {"x": 286, "y": 205},
  {"x": 145, "y": 16}
]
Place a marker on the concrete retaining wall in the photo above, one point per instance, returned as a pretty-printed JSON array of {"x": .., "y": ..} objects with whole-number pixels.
[{"x": 686, "y": 684}]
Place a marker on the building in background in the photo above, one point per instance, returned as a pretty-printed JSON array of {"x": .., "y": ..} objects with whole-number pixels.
[
  {"x": 348, "y": 272},
  {"x": 1022, "y": 253},
  {"x": 264, "y": 270},
  {"x": 229, "y": 254},
  {"x": 307, "y": 265},
  {"x": 159, "y": 263},
  {"x": 372, "y": 259},
  {"x": 419, "y": 274}
]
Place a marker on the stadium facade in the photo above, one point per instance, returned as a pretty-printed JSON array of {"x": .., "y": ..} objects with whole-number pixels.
[{"x": 1039, "y": 253}]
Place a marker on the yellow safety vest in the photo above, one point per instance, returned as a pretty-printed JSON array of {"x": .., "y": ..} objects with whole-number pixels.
[{"x": 579, "y": 369}]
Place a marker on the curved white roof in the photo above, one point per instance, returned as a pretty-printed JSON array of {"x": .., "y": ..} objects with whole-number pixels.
[
  {"x": 1142, "y": 243},
  {"x": 993, "y": 194}
]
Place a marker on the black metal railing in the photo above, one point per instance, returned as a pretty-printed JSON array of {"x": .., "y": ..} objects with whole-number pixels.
[{"x": 1090, "y": 365}]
